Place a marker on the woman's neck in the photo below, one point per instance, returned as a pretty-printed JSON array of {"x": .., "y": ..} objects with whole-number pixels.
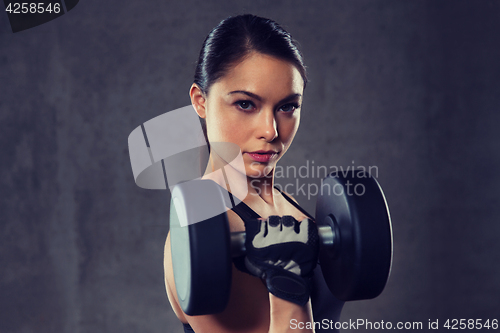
[{"x": 262, "y": 187}]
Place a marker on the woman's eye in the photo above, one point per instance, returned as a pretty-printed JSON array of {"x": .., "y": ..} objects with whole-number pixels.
[
  {"x": 289, "y": 107},
  {"x": 245, "y": 105}
]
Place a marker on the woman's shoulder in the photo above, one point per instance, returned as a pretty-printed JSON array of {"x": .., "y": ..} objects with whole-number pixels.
[{"x": 288, "y": 195}]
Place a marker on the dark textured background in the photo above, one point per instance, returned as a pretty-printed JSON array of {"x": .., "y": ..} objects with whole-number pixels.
[{"x": 411, "y": 87}]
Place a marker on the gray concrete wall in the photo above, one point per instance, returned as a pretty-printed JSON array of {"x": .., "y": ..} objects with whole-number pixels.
[{"x": 411, "y": 87}]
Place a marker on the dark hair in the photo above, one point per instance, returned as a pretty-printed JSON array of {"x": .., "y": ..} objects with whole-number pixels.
[{"x": 236, "y": 37}]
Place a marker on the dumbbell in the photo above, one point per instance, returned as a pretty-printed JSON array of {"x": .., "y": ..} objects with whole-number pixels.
[{"x": 353, "y": 224}]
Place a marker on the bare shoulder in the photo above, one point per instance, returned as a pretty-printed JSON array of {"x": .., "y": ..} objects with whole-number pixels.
[
  {"x": 286, "y": 194},
  {"x": 290, "y": 196}
]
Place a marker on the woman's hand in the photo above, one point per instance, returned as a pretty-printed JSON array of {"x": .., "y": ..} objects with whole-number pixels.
[{"x": 283, "y": 252}]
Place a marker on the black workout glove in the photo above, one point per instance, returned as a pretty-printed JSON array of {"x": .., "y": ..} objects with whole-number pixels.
[{"x": 283, "y": 252}]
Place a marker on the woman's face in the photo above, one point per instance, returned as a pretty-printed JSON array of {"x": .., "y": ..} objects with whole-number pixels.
[{"x": 256, "y": 105}]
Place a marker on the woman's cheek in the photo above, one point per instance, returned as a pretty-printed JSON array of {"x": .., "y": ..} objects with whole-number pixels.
[
  {"x": 288, "y": 132},
  {"x": 219, "y": 129},
  {"x": 232, "y": 130}
]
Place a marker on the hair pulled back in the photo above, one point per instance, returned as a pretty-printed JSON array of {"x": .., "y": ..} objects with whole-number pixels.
[{"x": 236, "y": 37}]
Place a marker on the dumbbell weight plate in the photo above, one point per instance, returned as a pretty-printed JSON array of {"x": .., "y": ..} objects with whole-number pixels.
[
  {"x": 358, "y": 264},
  {"x": 201, "y": 257}
]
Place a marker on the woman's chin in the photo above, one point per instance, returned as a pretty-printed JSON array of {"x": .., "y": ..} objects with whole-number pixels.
[{"x": 260, "y": 172}]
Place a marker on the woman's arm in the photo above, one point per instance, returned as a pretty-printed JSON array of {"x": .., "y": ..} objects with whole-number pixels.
[
  {"x": 283, "y": 311},
  {"x": 288, "y": 317},
  {"x": 283, "y": 252}
]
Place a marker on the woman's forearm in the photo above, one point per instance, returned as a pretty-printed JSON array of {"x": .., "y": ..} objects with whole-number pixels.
[{"x": 289, "y": 317}]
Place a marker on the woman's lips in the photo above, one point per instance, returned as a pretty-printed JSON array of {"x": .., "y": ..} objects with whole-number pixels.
[{"x": 262, "y": 156}]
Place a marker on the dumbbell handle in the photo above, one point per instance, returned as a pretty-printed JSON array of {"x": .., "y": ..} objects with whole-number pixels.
[{"x": 325, "y": 233}]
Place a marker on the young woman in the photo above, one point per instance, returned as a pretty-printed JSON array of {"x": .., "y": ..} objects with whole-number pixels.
[{"x": 248, "y": 91}]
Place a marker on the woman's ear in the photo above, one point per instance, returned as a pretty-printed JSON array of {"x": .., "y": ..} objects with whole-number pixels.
[{"x": 198, "y": 100}]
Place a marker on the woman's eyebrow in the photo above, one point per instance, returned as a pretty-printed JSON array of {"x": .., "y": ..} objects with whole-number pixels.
[
  {"x": 289, "y": 98},
  {"x": 257, "y": 97}
]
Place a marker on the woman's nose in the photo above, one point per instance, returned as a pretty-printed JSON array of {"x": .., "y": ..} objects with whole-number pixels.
[{"x": 266, "y": 126}]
